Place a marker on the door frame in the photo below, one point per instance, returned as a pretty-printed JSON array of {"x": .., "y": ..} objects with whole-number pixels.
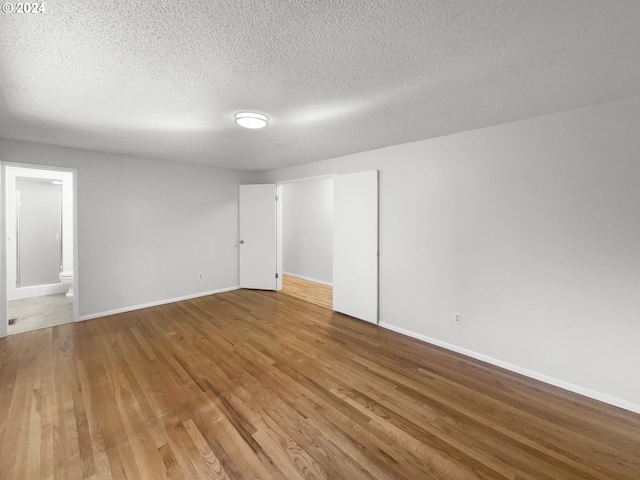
[
  {"x": 279, "y": 184},
  {"x": 281, "y": 199},
  {"x": 3, "y": 236}
]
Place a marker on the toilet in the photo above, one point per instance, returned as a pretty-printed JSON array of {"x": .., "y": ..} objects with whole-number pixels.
[{"x": 66, "y": 278}]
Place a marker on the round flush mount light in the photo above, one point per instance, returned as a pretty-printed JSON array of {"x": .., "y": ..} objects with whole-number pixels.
[{"x": 251, "y": 120}]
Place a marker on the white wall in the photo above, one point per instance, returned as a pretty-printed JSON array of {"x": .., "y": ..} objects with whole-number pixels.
[
  {"x": 145, "y": 228},
  {"x": 529, "y": 229},
  {"x": 307, "y": 229}
]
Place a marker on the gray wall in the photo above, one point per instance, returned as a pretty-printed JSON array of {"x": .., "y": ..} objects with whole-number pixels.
[
  {"x": 307, "y": 229},
  {"x": 145, "y": 228},
  {"x": 530, "y": 230}
]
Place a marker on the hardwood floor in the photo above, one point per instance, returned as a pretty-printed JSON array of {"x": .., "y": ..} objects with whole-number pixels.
[
  {"x": 312, "y": 292},
  {"x": 261, "y": 385}
]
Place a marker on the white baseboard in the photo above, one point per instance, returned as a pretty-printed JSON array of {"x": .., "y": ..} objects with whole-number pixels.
[
  {"x": 36, "y": 291},
  {"x": 154, "y": 304},
  {"x": 602, "y": 397},
  {"x": 309, "y": 279}
]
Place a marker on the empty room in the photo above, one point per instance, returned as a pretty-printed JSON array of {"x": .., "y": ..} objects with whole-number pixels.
[{"x": 291, "y": 239}]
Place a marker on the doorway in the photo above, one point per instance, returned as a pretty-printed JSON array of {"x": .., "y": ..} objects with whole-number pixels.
[
  {"x": 307, "y": 240},
  {"x": 355, "y": 241},
  {"x": 40, "y": 247}
]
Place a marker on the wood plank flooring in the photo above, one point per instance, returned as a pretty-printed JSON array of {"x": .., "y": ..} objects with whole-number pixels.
[
  {"x": 312, "y": 292},
  {"x": 260, "y": 385}
]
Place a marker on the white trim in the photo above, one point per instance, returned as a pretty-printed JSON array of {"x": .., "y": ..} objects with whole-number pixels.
[
  {"x": 602, "y": 397},
  {"x": 309, "y": 279},
  {"x": 4, "y": 323},
  {"x": 3, "y": 237},
  {"x": 37, "y": 291},
  {"x": 317, "y": 177},
  {"x": 279, "y": 236},
  {"x": 155, "y": 304}
]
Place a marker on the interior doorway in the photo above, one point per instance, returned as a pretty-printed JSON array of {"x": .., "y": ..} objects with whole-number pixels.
[
  {"x": 39, "y": 222},
  {"x": 307, "y": 239},
  {"x": 354, "y": 266}
]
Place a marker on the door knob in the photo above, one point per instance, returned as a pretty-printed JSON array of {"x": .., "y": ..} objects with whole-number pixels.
[{"x": 241, "y": 242}]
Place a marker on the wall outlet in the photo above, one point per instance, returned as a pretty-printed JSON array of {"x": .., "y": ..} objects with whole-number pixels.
[
  {"x": 201, "y": 276},
  {"x": 457, "y": 318}
]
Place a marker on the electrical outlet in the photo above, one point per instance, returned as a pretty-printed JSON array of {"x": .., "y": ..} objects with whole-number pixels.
[
  {"x": 457, "y": 318},
  {"x": 201, "y": 276}
]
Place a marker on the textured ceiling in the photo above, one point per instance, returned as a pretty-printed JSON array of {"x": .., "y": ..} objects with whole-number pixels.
[{"x": 162, "y": 79}]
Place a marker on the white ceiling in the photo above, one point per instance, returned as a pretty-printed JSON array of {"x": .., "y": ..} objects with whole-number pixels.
[{"x": 162, "y": 79}]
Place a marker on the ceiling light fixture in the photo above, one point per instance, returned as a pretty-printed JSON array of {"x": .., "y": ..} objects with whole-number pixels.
[{"x": 251, "y": 120}]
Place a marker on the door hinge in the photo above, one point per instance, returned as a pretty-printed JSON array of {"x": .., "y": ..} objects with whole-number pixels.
[
  {"x": 276, "y": 275},
  {"x": 277, "y": 198}
]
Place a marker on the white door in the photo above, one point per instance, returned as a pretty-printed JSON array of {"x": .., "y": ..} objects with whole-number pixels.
[
  {"x": 355, "y": 245},
  {"x": 258, "y": 263}
]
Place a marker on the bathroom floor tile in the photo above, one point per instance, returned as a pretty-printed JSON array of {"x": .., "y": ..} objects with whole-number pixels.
[{"x": 40, "y": 312}]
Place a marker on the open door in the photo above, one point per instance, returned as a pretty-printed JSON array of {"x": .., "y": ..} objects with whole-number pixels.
[
  {"x": 355, "y": 245},
  {"x": 258, "y": 237}
]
